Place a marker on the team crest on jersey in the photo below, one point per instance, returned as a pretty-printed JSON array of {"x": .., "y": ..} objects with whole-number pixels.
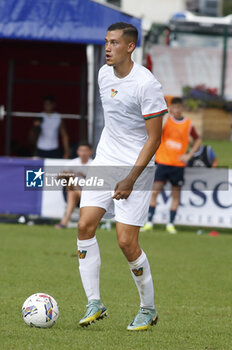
[
  {"x": 113, "y": 93},
  {"x": 82, "y": 254},
  {"x": 138, "y": 272}
]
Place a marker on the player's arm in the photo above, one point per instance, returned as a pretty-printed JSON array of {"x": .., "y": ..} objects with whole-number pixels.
[
  {"x": 65, "y": 140},
  {"x": 37, "y": 125},
  {"x": 197, "y": 141},
  {"x": 154, "y": 131},
  {"x": 35, "y": 131},
  {"x": 215, "y": 163},
  {"x": 153, "y": 107},
  {"x": 213, "y": 158}
]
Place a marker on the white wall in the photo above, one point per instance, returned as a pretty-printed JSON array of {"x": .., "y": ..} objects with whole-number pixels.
[{"x": 158, "y": 11}]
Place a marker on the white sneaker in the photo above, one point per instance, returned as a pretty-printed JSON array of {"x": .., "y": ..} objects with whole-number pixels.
[
  {"x": 170, "y": 228},
  {"x": 147, "y": 227}
]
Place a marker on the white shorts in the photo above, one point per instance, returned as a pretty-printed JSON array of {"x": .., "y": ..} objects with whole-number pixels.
[{"x": 130, "y": 211}]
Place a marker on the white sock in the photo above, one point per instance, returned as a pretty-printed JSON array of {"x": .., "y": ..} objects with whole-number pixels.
[
  {"x": 89, "y": 266},
  {"x": 141, "y": 273}
]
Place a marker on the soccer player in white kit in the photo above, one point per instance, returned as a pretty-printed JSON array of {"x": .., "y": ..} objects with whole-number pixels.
[{"x": 133, "y": 105}]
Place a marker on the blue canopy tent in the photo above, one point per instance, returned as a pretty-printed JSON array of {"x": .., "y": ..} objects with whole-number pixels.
[
  {"x": 69, "y": 21},
  {"x": 76, "y": 21}
]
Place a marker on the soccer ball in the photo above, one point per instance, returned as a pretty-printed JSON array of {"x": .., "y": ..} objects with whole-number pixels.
[{"x": 40, "y": 310}]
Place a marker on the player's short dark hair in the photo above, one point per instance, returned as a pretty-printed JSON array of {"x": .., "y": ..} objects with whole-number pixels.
[
  {"x": 85, "y": 143},
  {"x": 176, "y": 100},
  {"x": 49, "y": 98},
  {"x": 128, "y": 30}
]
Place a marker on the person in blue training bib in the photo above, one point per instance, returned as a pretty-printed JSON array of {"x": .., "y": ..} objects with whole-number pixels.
[{"x": 133, "y": 105}]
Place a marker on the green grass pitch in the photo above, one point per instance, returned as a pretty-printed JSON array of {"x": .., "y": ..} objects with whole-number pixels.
[
  {"x": 222, "y": 148},
  {"x": 192, "y": 278}
]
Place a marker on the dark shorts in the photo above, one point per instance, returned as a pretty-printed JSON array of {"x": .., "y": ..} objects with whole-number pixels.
[
  {"x": 174, "y": 174},
  {"x": 54, "y": 153}
]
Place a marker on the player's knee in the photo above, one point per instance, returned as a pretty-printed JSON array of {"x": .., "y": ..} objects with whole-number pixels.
[
  {"x": 86, "y": 230},
  {"x": 124, "y": 243}
]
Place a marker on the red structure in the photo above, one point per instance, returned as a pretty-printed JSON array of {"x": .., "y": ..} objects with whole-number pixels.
[{"x": 33, "y": 70}]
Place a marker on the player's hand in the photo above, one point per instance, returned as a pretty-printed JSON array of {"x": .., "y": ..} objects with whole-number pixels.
[
  {"x": 123, "y": 189},
  {"x": 37, "y": 123},
  {"x": 185, "y": 158}
]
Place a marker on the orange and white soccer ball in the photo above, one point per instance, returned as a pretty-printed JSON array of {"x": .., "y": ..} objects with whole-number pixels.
[{"x": 40, "y": 310}]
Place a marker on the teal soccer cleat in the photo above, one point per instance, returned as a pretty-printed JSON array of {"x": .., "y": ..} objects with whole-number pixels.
[
  {"x": 95, "y": 311},
  {"x": 144, "y": 319}
]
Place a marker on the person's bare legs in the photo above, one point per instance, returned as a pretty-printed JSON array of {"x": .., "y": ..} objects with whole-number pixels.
[
  {"x": 174, "y": 206},
  {"x": 73, "y": 198},
  {"x": 88, "y": 222},
  {"x": 175, "y": 197},
  {"x": 127, "y": 236},
  {"x": 157, "y": 188}
]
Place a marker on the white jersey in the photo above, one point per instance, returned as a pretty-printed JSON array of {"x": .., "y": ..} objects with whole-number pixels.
[
  {"x": 127, "y": 103},
  {"x": 49, "y": 136}
]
